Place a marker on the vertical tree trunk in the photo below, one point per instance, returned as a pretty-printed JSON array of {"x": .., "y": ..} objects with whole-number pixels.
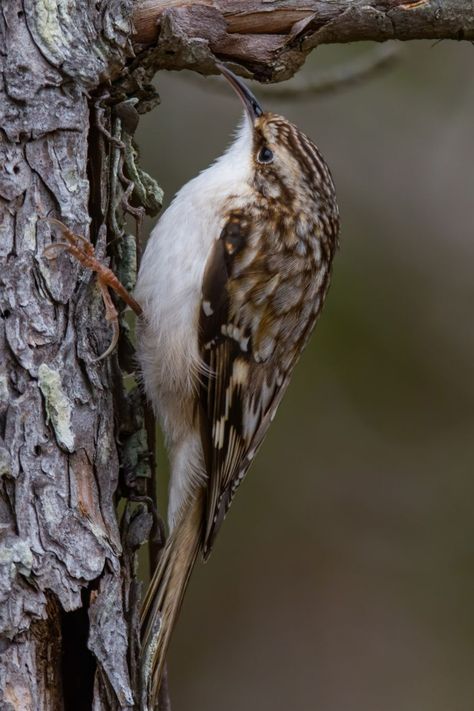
[{"x": 67, "y": 590}]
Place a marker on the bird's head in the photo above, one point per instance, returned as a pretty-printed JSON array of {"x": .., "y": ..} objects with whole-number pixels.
[{"x": 286, "y": 165}]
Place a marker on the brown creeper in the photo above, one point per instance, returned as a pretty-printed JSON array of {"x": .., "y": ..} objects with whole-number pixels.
[{"x": 231, "y": 283}]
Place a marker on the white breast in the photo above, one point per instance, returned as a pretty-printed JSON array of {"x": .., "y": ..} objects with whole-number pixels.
[{"x": 170, "y": 278}]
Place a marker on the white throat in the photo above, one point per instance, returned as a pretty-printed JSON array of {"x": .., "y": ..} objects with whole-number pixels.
[{"x": 230, "y": 172}]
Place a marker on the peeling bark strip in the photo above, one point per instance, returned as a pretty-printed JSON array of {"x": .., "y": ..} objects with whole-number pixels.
[
  {"x": 272, "y": 38},
  {"x": 61, "y": 580}
]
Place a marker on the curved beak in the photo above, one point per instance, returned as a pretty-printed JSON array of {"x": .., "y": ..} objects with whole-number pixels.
[{"x": 252, "y": 107}]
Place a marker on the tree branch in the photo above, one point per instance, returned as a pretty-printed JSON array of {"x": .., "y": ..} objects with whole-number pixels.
[{"x": 272, "y": 40}]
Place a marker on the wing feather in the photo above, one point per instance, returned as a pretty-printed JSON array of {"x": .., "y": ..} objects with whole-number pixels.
[{"x": 248, "y": 354}]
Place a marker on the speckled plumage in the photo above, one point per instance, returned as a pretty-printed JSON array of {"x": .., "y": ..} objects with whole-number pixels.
[
  {"x": 231, "y": 284},
  {"x": 265, "y": 283}
]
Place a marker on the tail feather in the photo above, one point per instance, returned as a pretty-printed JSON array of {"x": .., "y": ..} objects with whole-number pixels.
[{"x": 164, "y": 597}]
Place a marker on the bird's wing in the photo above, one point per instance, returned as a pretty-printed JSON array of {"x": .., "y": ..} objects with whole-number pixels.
[{"x": 252, "y": 319}]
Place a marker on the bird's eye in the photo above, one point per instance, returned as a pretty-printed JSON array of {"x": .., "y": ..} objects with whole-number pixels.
[{"x": 265, "y": 155}]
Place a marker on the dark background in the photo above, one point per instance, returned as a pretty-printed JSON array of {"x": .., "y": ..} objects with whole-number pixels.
[{"x": 343, "y": 578}]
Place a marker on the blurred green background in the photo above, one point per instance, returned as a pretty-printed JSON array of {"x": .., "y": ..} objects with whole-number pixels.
[{"x": 343, "y": 578}]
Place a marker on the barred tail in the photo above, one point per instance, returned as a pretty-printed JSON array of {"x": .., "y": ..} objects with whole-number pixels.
[{"x": 164, "y": 596}]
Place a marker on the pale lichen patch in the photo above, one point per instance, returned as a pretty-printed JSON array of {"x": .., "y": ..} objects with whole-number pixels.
[
  {"x": 29, "y": 233},
  {"x": 17, "y": 554},
  {"x": 58, "y": 406},
  {"x": 4, "y": 393},
  {"x": 5, "y": 463},
  {"x": 49, "y": 26}
]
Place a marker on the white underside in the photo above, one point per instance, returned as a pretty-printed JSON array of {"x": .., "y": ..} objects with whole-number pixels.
[{"x": 169, "y": 291}]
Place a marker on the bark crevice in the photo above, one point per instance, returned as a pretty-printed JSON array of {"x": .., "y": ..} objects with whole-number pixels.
[{"x": 78, "y": 664}]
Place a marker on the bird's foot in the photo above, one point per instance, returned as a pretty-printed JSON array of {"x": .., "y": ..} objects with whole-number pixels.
[{"x": 84, "y": 252}]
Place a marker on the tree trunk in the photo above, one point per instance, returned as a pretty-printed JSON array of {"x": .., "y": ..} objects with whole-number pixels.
[
  {"x": 68, "y": 617},
  {"x": 73, "y": 440}
]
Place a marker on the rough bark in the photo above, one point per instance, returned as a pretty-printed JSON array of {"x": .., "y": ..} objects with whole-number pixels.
[
  {"x": 271, "y": 40},
  {"x": 68, "y": 597}
]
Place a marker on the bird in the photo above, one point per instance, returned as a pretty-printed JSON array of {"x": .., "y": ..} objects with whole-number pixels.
[{"x": 231, "y": 283}]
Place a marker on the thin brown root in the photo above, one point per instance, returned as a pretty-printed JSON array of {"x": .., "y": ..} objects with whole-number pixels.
[
  {"x": 112, "y": 345},
  {"x": 111, "y": 315},
  {"x": 84, "y": 252},
  {"x": 52, "y": 247}
]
